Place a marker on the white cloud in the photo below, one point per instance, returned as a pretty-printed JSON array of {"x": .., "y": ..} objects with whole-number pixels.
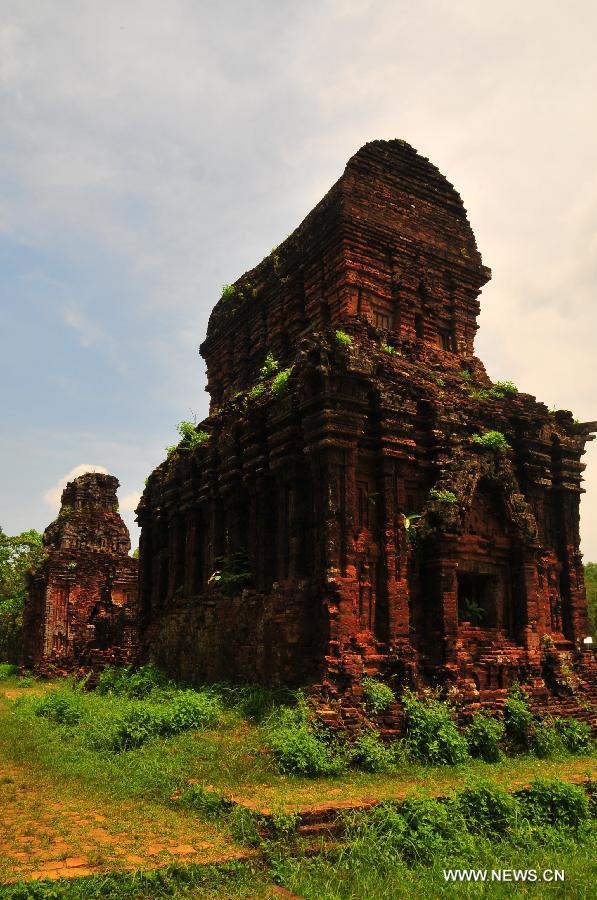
[
  {"x": 129, "y": 502},
  {"x": 52, "y": 495},
  {"x": 182, "y": 140},
  {"x": 88, "y": 331}
]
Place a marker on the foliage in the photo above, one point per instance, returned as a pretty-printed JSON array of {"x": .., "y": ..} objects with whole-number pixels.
[
  {"x": 19, "y": 554},
  {"x": 189, "y": 438},
  {"x": 448, "y": 497},
  {"x": 280, "y": 382},
  {"x": 196, "y": 798},
  {"x": 484, "y": 736},
  {"x": 575, "y": 735},
  {"x": 135, "y": 553},
  {"x": 431, "y": 733},
  {"x": 410, "y": 526},
  {"x": 256, "y": 391},
  {"x": 470, "y": 611},
  {"x": 504, "y": 387},
  {"x": 343, "y": 339},
  {"x": 232, "y": 574},
  {"x": 466, "y": 375},
  {"x": 555, "y": 802},
  {"x": 270, "y": 366},
  {"x": 299, "y": 750},
  {"x": 370, "y": 754},
  {"x": 244, "y": 826},
  {"x": 386, "y": 348},
  {"x": 228, "y": 292},
  {"x": 63, "y": 707},
  {"x": 545, "y": 740},
  {"x": 518, "y": 720},
  {"x": 491, "y": 440},
  {"x": 488, "y": 808},
  {"x": 211, "y": 882},
  {"x": 6, "y": 670},
  {"x": 377, "y": 695},
  {"x": 125, "y": 681}
]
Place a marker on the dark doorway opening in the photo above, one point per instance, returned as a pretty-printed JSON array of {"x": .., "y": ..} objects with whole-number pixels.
[{"x": 477, "y": 599}]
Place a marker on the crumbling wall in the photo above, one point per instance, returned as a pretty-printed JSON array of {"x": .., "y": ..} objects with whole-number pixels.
[{"x": 81, "y": 609}]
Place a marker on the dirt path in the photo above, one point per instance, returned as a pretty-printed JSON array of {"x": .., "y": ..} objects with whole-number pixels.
[{"x": 46, "y": 834}]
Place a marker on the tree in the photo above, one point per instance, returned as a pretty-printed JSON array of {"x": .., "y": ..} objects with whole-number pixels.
[{"x": 18, "y": 554}]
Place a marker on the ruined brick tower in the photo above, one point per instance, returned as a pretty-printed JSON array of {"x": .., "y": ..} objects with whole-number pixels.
[
  {"x": 81, "y": 609},
  {"x": 361, "y": 497}
]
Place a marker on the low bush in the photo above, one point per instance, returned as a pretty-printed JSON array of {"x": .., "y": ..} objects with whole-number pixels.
[
  {"x": 377, "y": 696},
  {"x": 188, "y": 710},
  {"x": 575, "y": 735},
  {"x": 6, "y": 670},
  {"x": 484, "y": 736},
  {"x": 554, "y": 802},
  {"x": 431, "y": 734},
  {"x": 370, "y": 754},
  {"x": 300, "y": 750},
  {"x": 134, "y": 723},
  {"x": 431, "y": 828},
  {"x": 228, "y": 292},
  {"x": 210, "y": 804},
  {"x": 488, "y": 808},
  {"x": 545, "y": 740},
  {"x": 518, "y": 720},
  {"x": 124, "y": 681},
  {"x": 60, "y": 706}
]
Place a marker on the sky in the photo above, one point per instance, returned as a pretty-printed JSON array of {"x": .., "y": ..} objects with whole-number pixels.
[{"x": 154, "y": 150}]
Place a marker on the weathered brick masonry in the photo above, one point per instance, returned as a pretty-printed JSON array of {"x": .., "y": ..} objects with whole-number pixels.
[
  {"x": 82, "y": 611},
  {"x": 353, "y": 523}
]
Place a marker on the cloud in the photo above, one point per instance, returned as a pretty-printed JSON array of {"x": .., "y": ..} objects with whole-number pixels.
[
  {"x": 52, "y": 495},
  {"x": 129, "y": 502},
  {"x": 153, "y": 152},
  {"x": 88, "y": 331}
]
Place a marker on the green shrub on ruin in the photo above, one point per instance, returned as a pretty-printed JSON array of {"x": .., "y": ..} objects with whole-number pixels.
[
  {"x": 492, "y": 440},
  {"x": 343, "y": 339},
  {"x": 280, "y": 382},
  {"x": 504, "y": 387},
  {"x": 448, "y": 497},
  {"x": 270, "y": 366},
  {"x": 228, "y": 292},
  {"x": 377, "y": 696}
]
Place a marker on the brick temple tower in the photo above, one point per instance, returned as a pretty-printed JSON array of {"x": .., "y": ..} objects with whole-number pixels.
[
  {"x": 361, "y": 497},
  {"x": 81, "y": 609}
]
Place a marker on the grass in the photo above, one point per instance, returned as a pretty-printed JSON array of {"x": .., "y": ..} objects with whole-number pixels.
[{"x": 174, "y": 787}]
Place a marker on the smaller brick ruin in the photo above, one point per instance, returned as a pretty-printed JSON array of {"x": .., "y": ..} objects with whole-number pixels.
[{"x": 81, "y": 610}]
